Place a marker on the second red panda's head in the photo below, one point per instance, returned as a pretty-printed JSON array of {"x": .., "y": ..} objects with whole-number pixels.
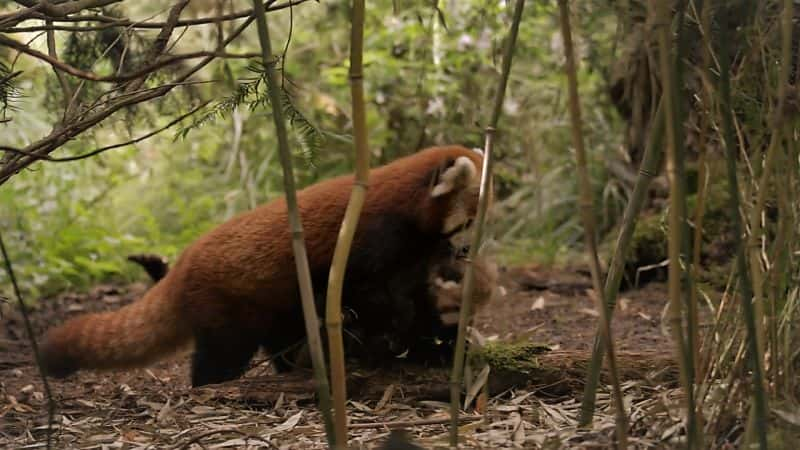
[{"x": 455, "y": 188}]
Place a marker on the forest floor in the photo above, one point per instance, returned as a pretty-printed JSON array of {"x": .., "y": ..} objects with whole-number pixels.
[{"x": 156, "y": 408}]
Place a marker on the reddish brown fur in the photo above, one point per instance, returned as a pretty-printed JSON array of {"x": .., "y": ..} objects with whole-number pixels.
[{"x": 241, "y": 274}]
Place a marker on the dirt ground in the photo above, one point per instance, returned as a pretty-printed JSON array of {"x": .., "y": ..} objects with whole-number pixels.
[{"x": 156, "y": 408}]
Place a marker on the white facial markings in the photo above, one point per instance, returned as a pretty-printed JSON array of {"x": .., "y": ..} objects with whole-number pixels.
[
  {"x": 460, "y": 175},
  {"x": 463, "y": 178}
]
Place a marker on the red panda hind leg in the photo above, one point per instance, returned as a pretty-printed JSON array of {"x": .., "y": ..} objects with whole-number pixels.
[{"x": 221, "y": 354}]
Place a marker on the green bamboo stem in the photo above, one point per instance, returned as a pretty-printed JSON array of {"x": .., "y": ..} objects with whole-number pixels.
[
  {"x": 702, "y": 186},
  {"x": 759, "y": 397},
  {"x": 676, "y": 219},
  {"x": 687, "y": 272},
  {"x": 333, "y": 312},
  {"x": 778, "y": 275},
  {"x": 697, "y": 240},
  {"x": 651, "y": 161},
  {"x": 295, "y": 225},
  {"x": 587, "y": 216},
  {"x": 784, "y": 245},
  {"x": 649, "y": 167},
  {"x": 754, "y": 241},
  {"x": 783, "y": 132},
  {"x": 699, "y": 213},
  {"x": 465, "y": 313}
]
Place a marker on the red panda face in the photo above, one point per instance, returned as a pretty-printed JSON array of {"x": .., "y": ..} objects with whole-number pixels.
[{"x": 460, "y": 181}]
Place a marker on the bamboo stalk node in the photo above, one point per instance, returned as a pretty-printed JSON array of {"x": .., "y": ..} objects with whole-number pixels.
[
  {"x": 333, "y": 323},
  {"x": 647, "y": 173}
]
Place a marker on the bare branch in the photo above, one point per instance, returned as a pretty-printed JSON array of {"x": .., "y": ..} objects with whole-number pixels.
[
  {"x": 111, "y": 22},
  {"x": 50, "y": 10},
  {"x": 32, "y": 153},
  {"x": 62, "y": 80},
  {"x": 91, "y": 76},
  {"x": 97, "y": 151},
  {"x": 160, "y": 43}
]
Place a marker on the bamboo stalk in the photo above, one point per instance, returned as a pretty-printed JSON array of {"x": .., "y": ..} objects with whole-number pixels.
[
  {"x": 703, "y": 177},
  {"x": 587, "y": 215},
  {"x": 296, "y": 227},
  {"x": 779, "y": 269},
  {"x": 759, "y": 397},
  {"x": 333, "y": 312},
  {"x": 754, "y": 241},
  {"x": 676, "y": 218},
  {"x": 702, "y": 186},
  {"x": 649, "y": 167},
  {"x": 465, "y": 313},
  {"x": 687, "y": 272},
  {"x": 651, "y": 160},
  {"x": 785, "y": 132}
]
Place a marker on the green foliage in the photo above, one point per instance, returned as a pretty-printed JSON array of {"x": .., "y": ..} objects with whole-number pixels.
[
  {"x": 254, "y": 92},
  {"x": 430, "y": 75},
  {"x": 9, "y": 92},
  {"x": 516, "y": 357}
]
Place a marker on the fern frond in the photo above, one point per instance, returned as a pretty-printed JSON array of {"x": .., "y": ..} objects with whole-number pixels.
[
  {"x": 242, "y": 94},
  {"x": 307, "y": 134},
  {"x": 9, "y": 93},
  {"x": 254, "y": 92}
]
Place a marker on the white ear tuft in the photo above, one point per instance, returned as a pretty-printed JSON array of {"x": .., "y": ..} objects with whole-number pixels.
[{"x": 457, "y": 176}]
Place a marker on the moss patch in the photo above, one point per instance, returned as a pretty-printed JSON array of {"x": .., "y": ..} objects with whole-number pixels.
[{"x": 516, "y": 357}]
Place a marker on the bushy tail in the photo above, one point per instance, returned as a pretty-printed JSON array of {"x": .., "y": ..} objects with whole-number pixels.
[{"x": 134, "y": 336}]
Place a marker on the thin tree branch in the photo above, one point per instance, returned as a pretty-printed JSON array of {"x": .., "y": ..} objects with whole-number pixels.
[
  {"x": 112, "y": 22},
  {"x": 62, "y": 80},
  {"x": 59, "y": 136},
  {"x": 99, "y": 150},
  {"x": 44, "y": 10},
  {"x": 91, "y": 76}
]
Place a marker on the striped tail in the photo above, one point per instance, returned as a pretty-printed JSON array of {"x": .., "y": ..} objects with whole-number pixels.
[{"x": 134, "y": 336}]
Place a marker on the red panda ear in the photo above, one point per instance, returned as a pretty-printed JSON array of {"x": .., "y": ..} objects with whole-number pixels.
[{"x": 458, "y": 175}]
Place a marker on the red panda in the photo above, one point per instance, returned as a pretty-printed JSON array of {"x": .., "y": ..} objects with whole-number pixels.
[
  {"x": 235, "y": 288},
  {"x": 420, "y": 307},
  {"x": 414, "y": 312}
]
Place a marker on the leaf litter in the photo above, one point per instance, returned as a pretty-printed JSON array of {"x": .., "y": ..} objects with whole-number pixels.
[{"x": 155, "y": 408}]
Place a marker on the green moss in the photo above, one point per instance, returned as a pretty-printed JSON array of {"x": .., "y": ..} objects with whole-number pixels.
[
  {"x": 510, "y": 357},
  {"x": 649, "y": 242}
]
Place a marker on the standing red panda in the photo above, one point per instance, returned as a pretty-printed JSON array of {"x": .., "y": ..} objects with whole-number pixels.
[
  {"x": 413, "y": 313},
  {"x": 235, "y": 288}
]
